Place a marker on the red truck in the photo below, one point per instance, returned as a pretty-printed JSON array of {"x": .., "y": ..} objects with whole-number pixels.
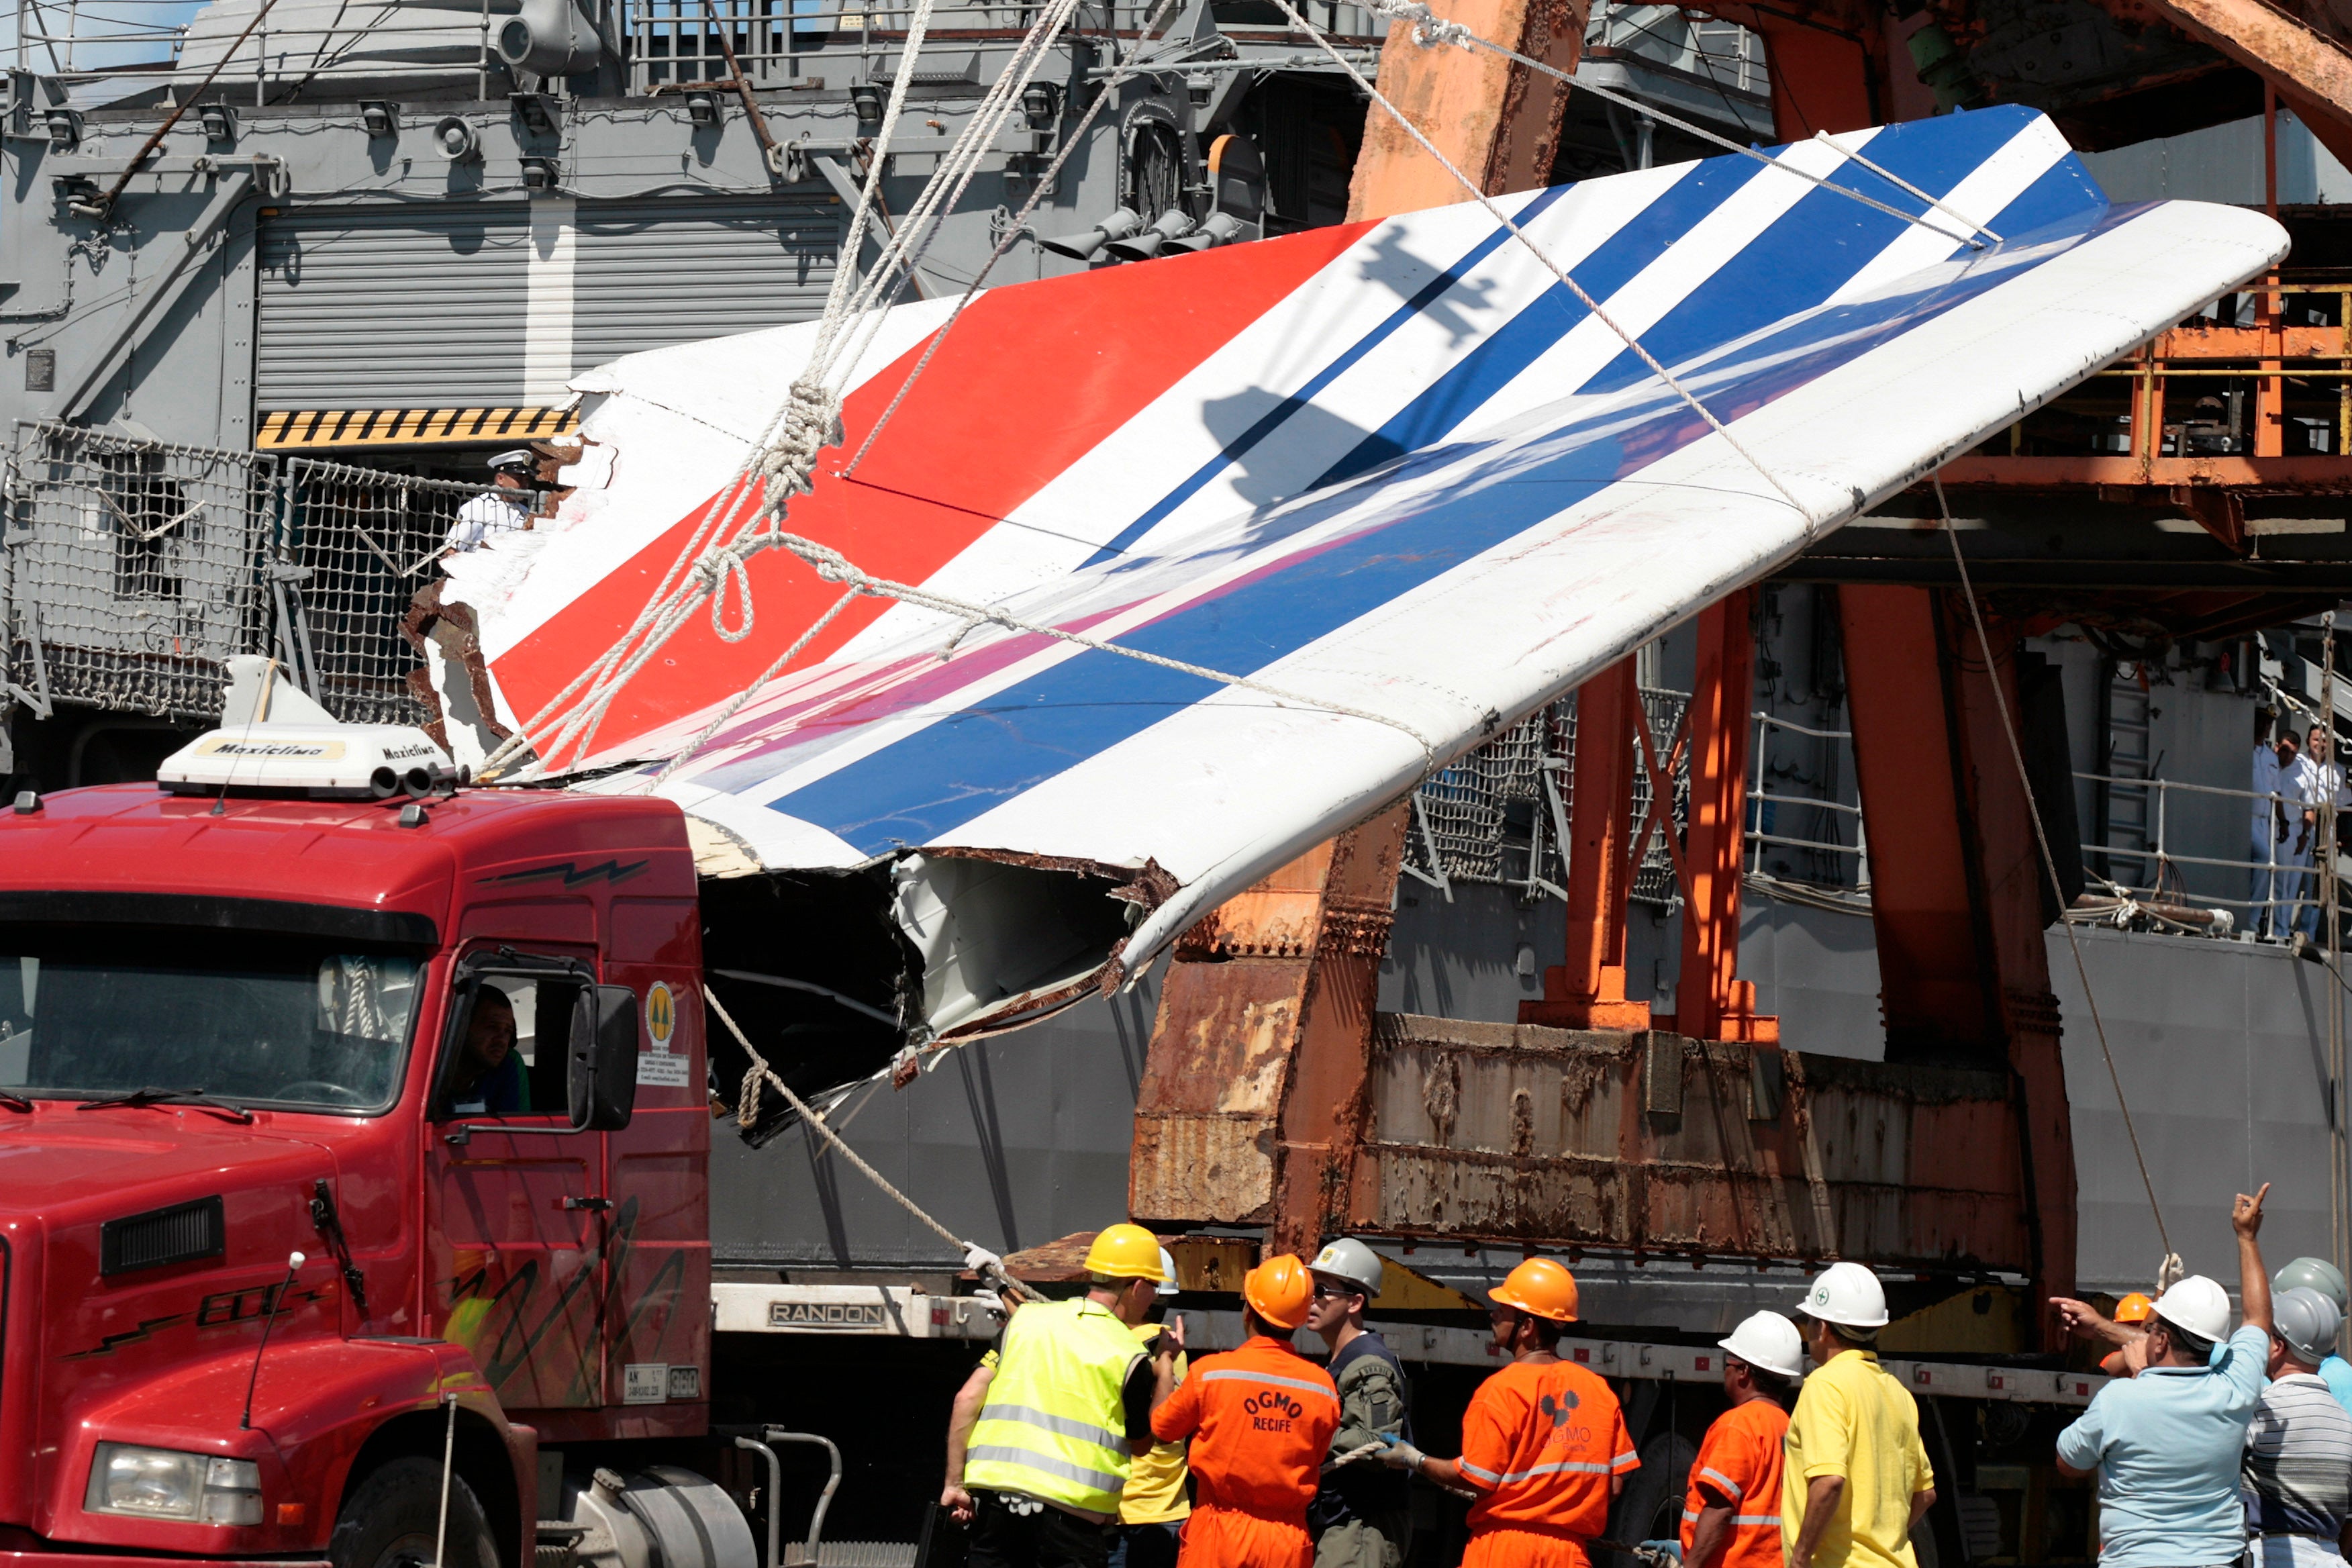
[{"x": 346, "y": 1143}]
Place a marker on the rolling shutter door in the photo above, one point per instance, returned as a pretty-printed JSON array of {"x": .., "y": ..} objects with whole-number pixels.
[
  {"x": 496, "y": 305},
  {"x": 371, "y": 308},
  {"x": 648, "y": 274}
]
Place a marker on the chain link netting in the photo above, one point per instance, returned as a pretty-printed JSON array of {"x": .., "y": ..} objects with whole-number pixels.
[
  {"x": 135, "y": 568},
  {"x": 361, "y": 542},
  {"x": 130, "y": 570},
  {"x": 1495, "y": 815}
]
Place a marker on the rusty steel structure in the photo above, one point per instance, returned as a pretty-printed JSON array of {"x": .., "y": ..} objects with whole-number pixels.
[
  {"x": 1276, "y": 1095},
  {"x": 1658, "y": 1144}
]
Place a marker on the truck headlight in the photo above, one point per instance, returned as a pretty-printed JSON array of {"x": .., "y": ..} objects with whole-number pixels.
[{"x": 158, "y": 1483}]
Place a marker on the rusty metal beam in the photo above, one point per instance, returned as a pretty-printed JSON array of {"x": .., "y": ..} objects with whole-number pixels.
[
  {"x": 1659, "y": 1144},
  {"x": 2311, "y": 72},
  {"x": 2313, "y": 475},
  {"x": 1252, "y": 1089},
  {"x": 1498, "y": 122}
]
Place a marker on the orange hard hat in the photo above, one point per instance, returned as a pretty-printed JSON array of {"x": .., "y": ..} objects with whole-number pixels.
[
  {"x": 1540, "y": 1285},
  {"x": 2134, "y": 1309},
  {"x": 1279, "y": 1290}
]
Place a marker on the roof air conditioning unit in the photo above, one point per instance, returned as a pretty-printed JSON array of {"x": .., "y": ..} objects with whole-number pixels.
[{"x": 550, "y": 37}]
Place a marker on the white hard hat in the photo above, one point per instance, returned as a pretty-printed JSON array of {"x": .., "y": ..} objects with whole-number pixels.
[
  {"x": 2198, "y": 1305},
  {"x": 1350, "y": 1260},
  {"x": 1770, "y": 1343},
  {"x": 1848, "y": 1295},
  {"x": 1167, "y": 1286}
]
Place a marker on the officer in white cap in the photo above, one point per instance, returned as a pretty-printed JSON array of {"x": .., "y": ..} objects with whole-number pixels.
[
  {"x": 1732, "y": 1516},
  {"x": 505, "y": 508},
  {"x": 1363, "y": 1512},
  {"x": 2168, "y": 1445}
]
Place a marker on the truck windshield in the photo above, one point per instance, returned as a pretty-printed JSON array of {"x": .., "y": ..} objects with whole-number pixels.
[{"x": 257, "y": 1018}]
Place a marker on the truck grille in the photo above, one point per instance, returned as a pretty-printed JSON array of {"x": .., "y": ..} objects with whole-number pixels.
[{"x": 173, "y": 1235}]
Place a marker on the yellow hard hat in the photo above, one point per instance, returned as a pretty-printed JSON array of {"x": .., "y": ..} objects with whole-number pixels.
[
  {"x": 1126, "y": 1252},
  {"x": 1279, "y": 1290},
  {"x": 1540, "y": 1286}
]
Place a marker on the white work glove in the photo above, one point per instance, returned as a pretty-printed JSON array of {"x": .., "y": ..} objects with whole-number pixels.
[
  {"x": 1402, "y": 1454},
  {"x": 983, "y": 1262},
  {"x": 990, "y": 1301}
]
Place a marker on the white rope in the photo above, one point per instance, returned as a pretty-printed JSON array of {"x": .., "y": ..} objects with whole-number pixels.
[
  {"x": 748, "y": 1111},
  {"x": 1430, "y": 30},
  {"x": 1892, "y": 178},
  {"x": 735, "y": 704},
  {"x": 836, "y": 567},
  {"x": 1479, "y": 196},
  {"x": 2171, "y": 1263},
  {"x": 783, "y": 457},
  {"x": 1351, "y": 1455},
  {"x": 1014, "y": 230}
]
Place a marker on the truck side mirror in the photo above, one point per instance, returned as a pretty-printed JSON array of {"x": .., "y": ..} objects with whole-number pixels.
[{"x": 601, "y": 1085}]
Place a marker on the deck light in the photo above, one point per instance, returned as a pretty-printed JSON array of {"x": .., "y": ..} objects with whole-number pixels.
[{"x": 1041, "y": 104}]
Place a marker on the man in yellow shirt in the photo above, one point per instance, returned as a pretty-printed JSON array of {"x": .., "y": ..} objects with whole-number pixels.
[
  {"x": 1153, "y": 1508},
  {"x": 1855, "y": 1481}
]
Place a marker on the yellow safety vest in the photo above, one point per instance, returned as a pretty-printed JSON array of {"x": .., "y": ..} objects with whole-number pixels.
[{"x": 1054, "y": 1425}]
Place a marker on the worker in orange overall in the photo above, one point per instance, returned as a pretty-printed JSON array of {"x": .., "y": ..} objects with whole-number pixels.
[
  {"x": 1260, "y": 1418},
  {"x": 1543, "y": 1441},
  {"x": 1732, "y": 1518}
]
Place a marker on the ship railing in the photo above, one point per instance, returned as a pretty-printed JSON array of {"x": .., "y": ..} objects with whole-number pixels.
[
  {"x": 2278, "y": 888},
  {"x": 1499, "y": 815},
  {"x": 780, "y": 43},
  {"x": 1766, "y": 806},
  {"x": 670, "y": 43}
]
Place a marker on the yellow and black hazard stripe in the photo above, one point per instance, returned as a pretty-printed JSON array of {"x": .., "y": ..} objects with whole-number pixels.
[{"x": 286, "y": 430}]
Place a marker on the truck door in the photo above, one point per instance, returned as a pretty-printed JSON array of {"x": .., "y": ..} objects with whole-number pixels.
[
  {"x": 520, "y": 1231},
  {"x": 657, "y": 1320}
]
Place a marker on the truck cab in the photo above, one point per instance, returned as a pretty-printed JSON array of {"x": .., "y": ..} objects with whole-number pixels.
[{"x": 351, "y": 1139}]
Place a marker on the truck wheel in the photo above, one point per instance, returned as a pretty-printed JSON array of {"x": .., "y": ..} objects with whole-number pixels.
[{"x": 394, "y": 1515}]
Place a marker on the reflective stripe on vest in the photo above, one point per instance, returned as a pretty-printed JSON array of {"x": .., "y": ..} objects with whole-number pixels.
[{"x": 1055, "y": 1421}]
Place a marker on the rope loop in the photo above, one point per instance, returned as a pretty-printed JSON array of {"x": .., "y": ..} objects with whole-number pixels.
[
  {"x": 1429, "y": 28},
  {"x": 811, "y": 422},
  {"x": 715, "y": 572}
]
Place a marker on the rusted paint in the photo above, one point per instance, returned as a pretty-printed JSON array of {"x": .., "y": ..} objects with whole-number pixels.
[
  {"x": 1496, "y": 122},
  {"x": 2311, "y": 72},
  {"x": 1252, "y": 1095},
  {"x": 1540, "y": 1136},
  {"x": 1212, "y": 1091}
]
